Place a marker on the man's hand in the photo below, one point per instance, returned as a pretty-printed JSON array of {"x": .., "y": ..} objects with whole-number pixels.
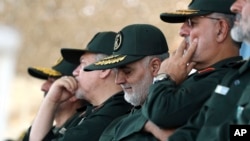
[
  {"x": 160, "y": 134},
  {"x": 62, "y": 89},
  {"x": 179, "y": 64}
]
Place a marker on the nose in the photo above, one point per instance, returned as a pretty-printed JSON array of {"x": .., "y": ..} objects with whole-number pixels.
[
  {"x": 120, "y": 78},
  {"x": 184, "y": 30},
  {"x": 76, "y": 70},
  {"x": 46, "y": 86},
  {"x": 237, "y": 6}
]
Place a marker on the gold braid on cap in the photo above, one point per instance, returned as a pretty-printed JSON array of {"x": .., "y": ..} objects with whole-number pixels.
[
  {"x": 185, "y": 12},
  {"x": 111, "y": 60},
  {"x": 48, "y": 71}
]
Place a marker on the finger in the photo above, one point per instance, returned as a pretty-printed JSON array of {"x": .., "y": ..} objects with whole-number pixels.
[
  {"x": 181, "y": 48},
  {"x": 190, "y": 66},
  {"x": 69, "y": 83},
  {"x": 191, "y": 49}
]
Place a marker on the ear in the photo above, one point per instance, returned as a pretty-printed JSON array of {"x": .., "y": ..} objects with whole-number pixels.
[
  {"x": 222, "y": 31},
  {"x": 155, "y": 66},
  {"x": 104, "y": 73}
]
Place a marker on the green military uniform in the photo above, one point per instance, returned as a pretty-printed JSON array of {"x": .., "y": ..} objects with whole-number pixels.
[
  {"x": 58, "y": 131},
  {"x": 212, "y": 122},
  {"x": 170, "y": 106},
  {"x": 243, "y": 110},
  {"x": 176, "y": 113},
  {"x": 127, "y": 128},
  {"x": 133, "y": 43},
  {"x": 91, "y": 124}
]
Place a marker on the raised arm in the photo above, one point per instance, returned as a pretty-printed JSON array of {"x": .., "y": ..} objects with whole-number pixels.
[{"x": 62, "y": 89}]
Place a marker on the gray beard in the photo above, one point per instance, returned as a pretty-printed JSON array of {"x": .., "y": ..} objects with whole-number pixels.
[{"x": 237, "y": 34}]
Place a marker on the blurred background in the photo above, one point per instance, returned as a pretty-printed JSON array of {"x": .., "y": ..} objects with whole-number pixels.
[{"x": 39, "y": 28}]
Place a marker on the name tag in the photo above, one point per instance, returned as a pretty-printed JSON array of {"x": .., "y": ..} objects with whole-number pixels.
[{"x": 223, "y": 90}]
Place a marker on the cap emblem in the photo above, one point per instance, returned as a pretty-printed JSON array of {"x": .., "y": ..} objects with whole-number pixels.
[{"x": 118, "y": 41}]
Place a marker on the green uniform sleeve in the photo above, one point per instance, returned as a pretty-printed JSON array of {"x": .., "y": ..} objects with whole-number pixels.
[{"x": 170, "y": 106}]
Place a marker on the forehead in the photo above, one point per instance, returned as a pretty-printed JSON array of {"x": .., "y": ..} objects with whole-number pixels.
[
  {"x": 87, "y": 56},
  {"x": 136, "y": 64}
]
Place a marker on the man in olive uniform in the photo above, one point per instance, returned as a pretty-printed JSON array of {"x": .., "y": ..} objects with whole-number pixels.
[
  {"x": 67, "y": 112},
  {"x": 207, "y": 124},
  {"x": 97, "y": 87},
  {"x": 240, "y": 32},
  {"x": 138, "y": 52}
]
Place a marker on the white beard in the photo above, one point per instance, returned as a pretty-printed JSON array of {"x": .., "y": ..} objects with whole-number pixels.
[
  {"x": 140, "y": 91},
  {"x": 238, "y": 33}
]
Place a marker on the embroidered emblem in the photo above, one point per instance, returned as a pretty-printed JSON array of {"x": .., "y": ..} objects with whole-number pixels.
[
  {"x": 48, "y": 71},
  {"x": 111, "y": 60},
  {"x": 118, "y": 41},
  {"x": 185, "y": 12}
]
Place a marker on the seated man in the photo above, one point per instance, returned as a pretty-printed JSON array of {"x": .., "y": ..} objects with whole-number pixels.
[
  {"x": 217, "y": 60},
  {"x": 67, "y": 111},
  {"x": 138, "y": 52},
  {"x": 97, "y": 87}
]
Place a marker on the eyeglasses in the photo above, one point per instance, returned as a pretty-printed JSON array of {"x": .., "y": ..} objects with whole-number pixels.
[{"x": 191, "y": 23}]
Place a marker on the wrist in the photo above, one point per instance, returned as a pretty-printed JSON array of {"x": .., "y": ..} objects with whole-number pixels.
[{"x": 162, "y": 77}]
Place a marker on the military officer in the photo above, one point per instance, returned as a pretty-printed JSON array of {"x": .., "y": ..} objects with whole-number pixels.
[
  {"x": 96, "y": 87},
  {"x": 207, "y": 19},
  {"x": 69, "y": 110},
  {"x": 138, "y": 52}
]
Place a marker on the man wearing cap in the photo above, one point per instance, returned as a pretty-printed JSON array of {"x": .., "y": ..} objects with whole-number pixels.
[
  {"x": 138, "y": 52},
  {"x": 241, "y": 113},
  {"x": 241, "y": 32},
  {"x": 209, "y": 22},
  {"x": 97, "y": 87},
  {"x": 67, "y": 111}
]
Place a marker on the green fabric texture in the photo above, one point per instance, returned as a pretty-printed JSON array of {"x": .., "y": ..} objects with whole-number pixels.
[
  {"x": 198, "y": 8},
  {"x": 133, "y": 43},
  {"x": 102, "y": 42}
]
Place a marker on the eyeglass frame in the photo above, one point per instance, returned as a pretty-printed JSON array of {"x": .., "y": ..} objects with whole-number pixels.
[{"x": 190, "y": 24}]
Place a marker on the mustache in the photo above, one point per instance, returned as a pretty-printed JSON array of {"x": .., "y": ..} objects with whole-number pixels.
[
  {"x": 187, "y": 39},
  {"x": 238, "y": 17}
]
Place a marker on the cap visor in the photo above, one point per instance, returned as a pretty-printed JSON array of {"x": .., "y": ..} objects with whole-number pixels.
[
  {"x": 43, "y": 73},
  {"x": 72, "y": 55},
  {"x": 181, "y": 15},
  {"x": 113, "y": 61}
]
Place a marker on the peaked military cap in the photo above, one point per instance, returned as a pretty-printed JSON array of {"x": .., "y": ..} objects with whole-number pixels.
[
  {"x": 133, "y": 43},
  {"x": 102, "y": 42},
  {"x": 198, "y": 8},
  {"x": 61, "y": 68}
]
